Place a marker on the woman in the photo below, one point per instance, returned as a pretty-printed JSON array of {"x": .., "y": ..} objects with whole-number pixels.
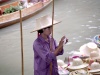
[{"x": 45, "y": 48}]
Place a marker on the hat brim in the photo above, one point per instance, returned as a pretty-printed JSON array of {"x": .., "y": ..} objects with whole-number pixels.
[
  {"x": 64, "y": 66},
  {"x": 93, "y": 71},
  {"x": 78, "y": 67},
  {"x": 36, "y": 29}
]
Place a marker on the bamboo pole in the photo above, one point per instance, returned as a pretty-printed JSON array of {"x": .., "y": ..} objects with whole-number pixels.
[
  {"x": 21, "y": 34},
  {"x": 52, "y": 32},
  {"x": 52, "y": 16}
]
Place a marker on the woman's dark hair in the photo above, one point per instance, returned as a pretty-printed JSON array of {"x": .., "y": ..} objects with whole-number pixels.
[{"x": 40, "y": 31}]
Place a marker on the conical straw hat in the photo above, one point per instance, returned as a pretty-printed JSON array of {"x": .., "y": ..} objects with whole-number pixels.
[{"x": 43, "y": 22}]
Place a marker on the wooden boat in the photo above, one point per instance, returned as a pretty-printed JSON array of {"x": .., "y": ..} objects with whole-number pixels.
[{"x": 12, "y": 18}]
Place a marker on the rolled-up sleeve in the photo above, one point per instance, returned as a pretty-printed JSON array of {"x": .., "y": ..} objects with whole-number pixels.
[
  {"x": 61, "y": 52},
  {"x": 45, "y": 54}
]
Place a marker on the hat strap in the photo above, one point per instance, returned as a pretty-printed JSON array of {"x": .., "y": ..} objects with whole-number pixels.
[{"x": 38, "y": 34}]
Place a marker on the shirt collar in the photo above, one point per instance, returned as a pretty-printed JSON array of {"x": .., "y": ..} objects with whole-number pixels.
[{"x": 42, "y": 39}]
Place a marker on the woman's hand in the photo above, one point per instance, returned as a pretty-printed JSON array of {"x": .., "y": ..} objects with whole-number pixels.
[
  {"x": 66, "y": 40},
  {"x": 63, "y": 40},
  {"x": 60, "y": 46}
]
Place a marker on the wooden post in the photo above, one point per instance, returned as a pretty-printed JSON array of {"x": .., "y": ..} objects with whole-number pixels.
[
  {"x": 21, "y": 34},
  {"x": 52, "y": 32},
  {"x": 52, "y": 16}
]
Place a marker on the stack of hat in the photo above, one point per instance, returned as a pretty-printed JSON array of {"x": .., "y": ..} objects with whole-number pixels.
[
  {"x": 86, "y": 49},
  {"x": 77, "y": 64},
  {"x": 95, "y": 68}
]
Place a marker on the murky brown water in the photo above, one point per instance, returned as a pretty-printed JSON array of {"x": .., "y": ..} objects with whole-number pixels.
[{"x": 80, "y": 23}]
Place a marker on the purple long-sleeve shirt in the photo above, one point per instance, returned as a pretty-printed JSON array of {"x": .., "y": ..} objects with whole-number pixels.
[{"x": 43, "y": 57}]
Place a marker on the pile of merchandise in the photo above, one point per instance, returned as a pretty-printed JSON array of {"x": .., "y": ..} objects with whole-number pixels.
[{"x": 84, "y": 62}]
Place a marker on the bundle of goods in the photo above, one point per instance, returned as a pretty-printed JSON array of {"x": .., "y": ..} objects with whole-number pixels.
[
  {"x": 91, "y": 50},
  {"x": 84, "y": 62}
]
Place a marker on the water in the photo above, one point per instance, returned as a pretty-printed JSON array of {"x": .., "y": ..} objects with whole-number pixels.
[{"x": 80, "y": 23}]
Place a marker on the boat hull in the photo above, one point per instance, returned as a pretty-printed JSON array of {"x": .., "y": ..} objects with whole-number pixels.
[
  {"x": 1, "y": 1},
  {"x": 12, "y": 18}
]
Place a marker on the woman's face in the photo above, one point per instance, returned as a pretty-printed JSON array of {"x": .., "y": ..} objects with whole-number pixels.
[{"x": 47, "y": 31}]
